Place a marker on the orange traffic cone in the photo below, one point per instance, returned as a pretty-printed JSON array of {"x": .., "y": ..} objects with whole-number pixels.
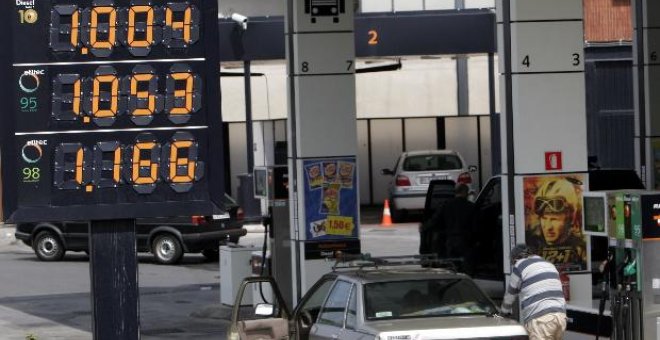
[{"x": 387, "y": 216}]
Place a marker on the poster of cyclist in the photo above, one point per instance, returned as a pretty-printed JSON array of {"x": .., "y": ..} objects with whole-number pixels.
[{"x": 553, "y": 218}]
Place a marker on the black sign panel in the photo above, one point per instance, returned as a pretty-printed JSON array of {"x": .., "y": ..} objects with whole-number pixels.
[
  {"x": 317, "y": 250},
  {"x": 376, "y": 35},
  {"x": 650, "y": 216},
  {"x": 112, "y": 111}
]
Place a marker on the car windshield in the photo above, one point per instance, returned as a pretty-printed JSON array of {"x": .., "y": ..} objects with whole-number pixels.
[
  {"x": 432, "y": 162},
  {"x": 425, "y": 298}
]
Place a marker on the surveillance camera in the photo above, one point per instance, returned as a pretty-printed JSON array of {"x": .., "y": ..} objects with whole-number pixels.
[{"x": 240, "y": 19}]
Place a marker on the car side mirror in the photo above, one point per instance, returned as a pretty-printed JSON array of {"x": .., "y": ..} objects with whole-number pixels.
[
  {"x": 472, "y": 168},
  {"x": 264, "y": 309},
  {"x": 386, "y": 172}
]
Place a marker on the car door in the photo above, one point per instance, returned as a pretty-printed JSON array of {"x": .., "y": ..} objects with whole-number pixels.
[
  {"x": 350, "y": 331},
  {"x": 439, "y": 192},
  {"x": 330, "y": 322},
  {"x": 487, "y": 242},
  {"x": 307, "y": 312},
  {"x": 268, "y": 321},
  {"x": 76, "y": 235}
]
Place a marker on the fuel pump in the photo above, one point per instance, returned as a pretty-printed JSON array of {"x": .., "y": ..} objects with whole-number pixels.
[
  {"x": 631, "y": 278},
  {"x": 271, "y": 184}
]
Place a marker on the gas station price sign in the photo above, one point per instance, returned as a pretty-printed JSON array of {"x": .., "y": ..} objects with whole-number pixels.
[{"x": 110, "y": 109}]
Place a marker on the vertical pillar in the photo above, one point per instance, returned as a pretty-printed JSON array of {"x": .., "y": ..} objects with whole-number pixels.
[
  {"x": 113, "y": 273},
  {"x": 249, "y": 128},
  {"x": 462, "y": 79},
  {"x": 543, "y": 125},
  {"x": 646, "y": 71},
  {"x": 323, "y": 145}
]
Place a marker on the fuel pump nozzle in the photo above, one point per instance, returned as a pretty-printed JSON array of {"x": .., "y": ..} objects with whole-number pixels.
[
  {"x": 616, "y": 313},
  {"x": 604, "y": 290}
]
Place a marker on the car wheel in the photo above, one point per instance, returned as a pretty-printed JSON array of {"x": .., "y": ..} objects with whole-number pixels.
[
  {"x": 211, "y": 254},
  {"x": 48, "y": 246},
  {"x": 166, "y": 249}
]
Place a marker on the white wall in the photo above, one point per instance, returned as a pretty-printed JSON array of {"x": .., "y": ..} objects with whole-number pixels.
[
  {"x": 268, "y": 93},
  {"x": 251, "y": 7},
  {"x": 478, "y": 85},
  {"x": 422, "y": 88}
]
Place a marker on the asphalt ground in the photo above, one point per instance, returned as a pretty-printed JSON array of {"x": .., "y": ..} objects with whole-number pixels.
[{"x": 55, "y": 317}]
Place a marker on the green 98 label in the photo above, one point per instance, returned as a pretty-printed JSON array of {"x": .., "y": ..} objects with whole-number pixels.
[{"x": 31, "y": 174}]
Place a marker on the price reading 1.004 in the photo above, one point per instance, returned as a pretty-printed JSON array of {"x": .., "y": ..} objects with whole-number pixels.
[{"x": 100, "y": 29}]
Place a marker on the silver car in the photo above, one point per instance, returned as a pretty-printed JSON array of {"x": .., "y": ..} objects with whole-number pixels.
[
  {"x": 413, "y": 172},
  {"x": 377, "y": 302}
]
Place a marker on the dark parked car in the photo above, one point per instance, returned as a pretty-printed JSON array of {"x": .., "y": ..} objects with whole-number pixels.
[{"x": 166, "y": 238}]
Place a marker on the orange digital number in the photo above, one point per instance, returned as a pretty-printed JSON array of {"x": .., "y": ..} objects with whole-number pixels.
[
  {"x": 65, "y": 36},
  {"x": 114, "y": 96},
  {"x": 79, "y": 166},
  {"x": 76, "y": 98},
  {"x": 136, "y": 79},
  {"x": 186, "y": 94},
  {"x": 67, "y": 97},
  {"x": 139, "y": 163},
  {"x": 149, "y": 34},
  {"x": 71, "y": 166},
  {"x": 75, "y": 28},
  {"x": 373, "y": 37},
  {"x": 176, "y": 162},
  {"x": 184, "y": 25},
  {"x": 94, "y": 41}
]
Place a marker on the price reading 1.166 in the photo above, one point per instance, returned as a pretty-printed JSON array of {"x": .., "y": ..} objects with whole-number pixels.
[{"x": 140, "y": 165}]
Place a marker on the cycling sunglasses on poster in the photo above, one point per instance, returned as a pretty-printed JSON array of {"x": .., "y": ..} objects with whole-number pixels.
[{"x": 552, "y": 204}]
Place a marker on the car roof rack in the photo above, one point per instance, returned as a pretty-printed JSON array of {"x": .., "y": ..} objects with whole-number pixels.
[{"x": 365, "y": 261}]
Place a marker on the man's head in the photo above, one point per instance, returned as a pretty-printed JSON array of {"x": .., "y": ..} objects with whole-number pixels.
[
  {"x": 520, "y": 251},
  {"x": 556, "y": 205},
  {"x": 461, "y": 190}
]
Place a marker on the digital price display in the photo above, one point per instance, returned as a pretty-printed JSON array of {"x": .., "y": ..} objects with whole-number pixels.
[{"x": 110, "y": 109}]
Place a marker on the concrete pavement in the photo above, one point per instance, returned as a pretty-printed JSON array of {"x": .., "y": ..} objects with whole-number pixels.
[{"x": 19, "y": 319}]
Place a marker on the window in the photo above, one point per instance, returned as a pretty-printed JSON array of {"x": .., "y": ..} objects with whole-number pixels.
[
  {"x": 492, "y": 193},
  {"x": 312, "y": 306},
  {"x": 351, "y": 313},
  {"x": 425, "y": 298},
  {"x": 335, "y": 307},
  {"x": 432, "y": 163}
]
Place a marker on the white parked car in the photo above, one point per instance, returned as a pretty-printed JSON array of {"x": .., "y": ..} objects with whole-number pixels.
[{"x": 413, "y": 172}]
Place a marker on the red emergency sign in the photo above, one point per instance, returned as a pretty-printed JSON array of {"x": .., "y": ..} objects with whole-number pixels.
[{"x": 553, "y": 160}]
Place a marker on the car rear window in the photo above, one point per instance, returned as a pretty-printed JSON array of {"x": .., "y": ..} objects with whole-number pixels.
[
  {"x": 432, "y": 163},
  {"x": 425, "y": 298}
]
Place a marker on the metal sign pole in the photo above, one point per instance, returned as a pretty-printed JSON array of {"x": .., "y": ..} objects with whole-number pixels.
[{"x": 113, "y": 274}]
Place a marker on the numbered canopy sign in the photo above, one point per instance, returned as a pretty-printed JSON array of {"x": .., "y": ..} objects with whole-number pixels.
[{"x": 110, "y": 109}]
